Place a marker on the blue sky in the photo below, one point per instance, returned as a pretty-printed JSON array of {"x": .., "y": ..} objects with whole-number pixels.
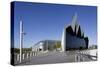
[{"x": 46, "y": 21}]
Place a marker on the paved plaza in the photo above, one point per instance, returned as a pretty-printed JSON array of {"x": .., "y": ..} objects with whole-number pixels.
[{"x": 58, "y": 57}]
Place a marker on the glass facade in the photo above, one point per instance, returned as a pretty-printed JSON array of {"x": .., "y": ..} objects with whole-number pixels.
[
  {"x": 73, "y": 42},
  {"x": 46, "y": 45},
  {"x": 74, "y": 38}
]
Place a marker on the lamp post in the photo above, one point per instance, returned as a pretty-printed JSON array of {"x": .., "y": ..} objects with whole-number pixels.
[{"x": 21, "y": 40}]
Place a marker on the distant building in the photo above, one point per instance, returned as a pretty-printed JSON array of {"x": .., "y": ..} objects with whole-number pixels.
[
  {"x": 93, "y": 46},
  {"x": 73, "y": 37},
  {"x": 46, "y": 45}
]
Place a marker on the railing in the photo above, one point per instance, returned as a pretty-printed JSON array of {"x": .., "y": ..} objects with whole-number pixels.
[{"x": 82, "y": 55}]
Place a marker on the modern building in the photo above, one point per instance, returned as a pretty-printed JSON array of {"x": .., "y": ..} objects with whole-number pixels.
[
  {"x": 73, "y": 37},
  {"x": 47, "y": 45}
]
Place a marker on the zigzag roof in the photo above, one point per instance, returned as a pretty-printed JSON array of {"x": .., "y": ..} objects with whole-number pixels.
[{"x": 76, "y": 27}]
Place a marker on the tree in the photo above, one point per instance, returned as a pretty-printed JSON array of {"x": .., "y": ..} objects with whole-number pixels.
[{"x": 57, "y": 45}]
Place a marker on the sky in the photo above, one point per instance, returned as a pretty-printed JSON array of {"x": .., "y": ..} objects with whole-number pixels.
[{"x": 47, "y": 21}]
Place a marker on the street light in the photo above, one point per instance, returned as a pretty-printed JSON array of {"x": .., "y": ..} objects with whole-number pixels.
[{"x": 21, "y": 39}]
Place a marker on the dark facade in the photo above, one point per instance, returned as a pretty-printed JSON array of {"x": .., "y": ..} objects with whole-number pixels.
[
  {"x": 73, "y": 37},
  {"x": 75, "y": 40}
]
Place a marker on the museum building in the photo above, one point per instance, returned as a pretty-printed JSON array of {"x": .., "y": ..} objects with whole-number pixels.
[{"x": 73, "y": 37}]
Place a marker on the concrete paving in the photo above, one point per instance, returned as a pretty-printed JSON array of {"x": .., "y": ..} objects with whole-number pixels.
[{"x": 56, "y": 57}]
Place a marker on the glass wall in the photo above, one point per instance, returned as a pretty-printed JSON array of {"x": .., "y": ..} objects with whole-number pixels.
[{"x": 73, "y": 42}]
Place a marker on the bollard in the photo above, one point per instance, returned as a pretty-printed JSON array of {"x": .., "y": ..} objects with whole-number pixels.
[
  {"x": 27, "y": 55},
  {"x": 36, "y": 54},
  {"x": 23, "y": 56},
  {"x": 33, "y": 53},
  {"x": 17, "y": 57},
  {"x": 85, "y": 53},
  {"x": 30, "y": 54},
  {"x": 83, "y": 59},
  {"x": 76, "y": 57},
  {"x": 96, "y": 54}
]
